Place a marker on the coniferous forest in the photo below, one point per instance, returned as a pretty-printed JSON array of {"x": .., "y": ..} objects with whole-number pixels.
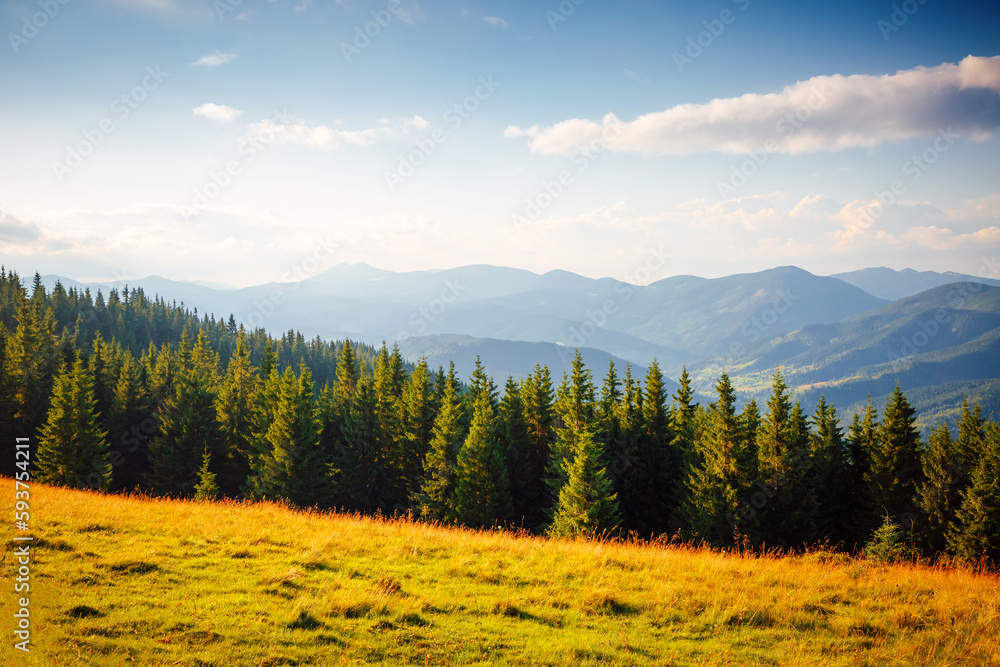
[{"x": 130, "y": 393}]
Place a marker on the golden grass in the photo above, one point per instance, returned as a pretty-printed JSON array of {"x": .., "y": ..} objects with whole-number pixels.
[{"x": 118, "y": 580}]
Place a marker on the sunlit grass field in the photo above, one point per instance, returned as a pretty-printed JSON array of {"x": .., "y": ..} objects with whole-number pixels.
[{"x": 119, "y": 580}]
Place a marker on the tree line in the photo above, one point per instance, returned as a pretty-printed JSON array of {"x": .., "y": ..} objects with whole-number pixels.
[{"x": 131, "y": 393}]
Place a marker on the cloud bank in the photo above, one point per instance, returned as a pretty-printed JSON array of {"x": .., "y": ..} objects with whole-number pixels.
[{"x": 824, "y": 113}]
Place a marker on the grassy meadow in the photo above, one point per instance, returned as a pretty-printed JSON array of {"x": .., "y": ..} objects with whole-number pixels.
[{"x": 140, "y": 581}]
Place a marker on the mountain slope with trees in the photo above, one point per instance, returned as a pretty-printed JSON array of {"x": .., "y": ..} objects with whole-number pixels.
[{"x": 165, "y": 402}]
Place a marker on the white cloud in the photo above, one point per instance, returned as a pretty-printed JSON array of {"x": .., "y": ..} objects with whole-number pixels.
[
  {"x": 417, "y": 122},
  {"x": 977, "y": 209},
  {"x": 217, "y": 112},
  {"x": 215, "y": 59},
  {"x": 328, "y": 138},
  {"x": 495, "y": 20},
  {"x": 824, "y": 113},
  {"x": 942, "y": 238},
  {"x": 317, "y": 136}
]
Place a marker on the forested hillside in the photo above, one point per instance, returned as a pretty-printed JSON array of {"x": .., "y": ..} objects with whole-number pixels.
[{"x": 126, "y": 393}]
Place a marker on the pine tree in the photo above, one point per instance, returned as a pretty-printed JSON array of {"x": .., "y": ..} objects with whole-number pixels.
[
  {"x": 575, "y": 410},
  {"x": 130, "y": 425},
  {"x": 538, "y": 413},
  {"x": 976, "y": 530},
  {"x": 206, "y": 489},
  {"x": 682, "y": 427},
  {"x": 657, "y": 462},
  {"x": 436, "y": 499},
  {"x": 718, "y": 488},
  {"x": 587, "y": 504},
  {"x": 72, "y": 449},
  {"x": 896, "y": 474},
  {"x": 830, "y": 476},
  {"x": 30, "y": 356},
  {"x": 365, "y": 473},
  {"x": 204, "y": 360},
  {"x": 188, "y": 426},
  {"x": 939, "y": 494},
  {"x": 293, "y": 468},
  {"x": 482, "y": 491},
  {"x": 418, "y": 425},
  {"x": 618, "y": 428},
  {"x": 388, "y": 392},
  {"x": 786, "y": 511},
  {"x": 523, "y": 468},
  {"x": 234, "y": 411},
  {"x": 865, "y": 438}
]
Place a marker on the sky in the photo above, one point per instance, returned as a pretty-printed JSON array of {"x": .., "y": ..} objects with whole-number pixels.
[{"x": 245, "y": 141}]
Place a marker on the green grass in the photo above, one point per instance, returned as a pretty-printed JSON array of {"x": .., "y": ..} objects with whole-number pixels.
[{"x": 141, "y": 581}]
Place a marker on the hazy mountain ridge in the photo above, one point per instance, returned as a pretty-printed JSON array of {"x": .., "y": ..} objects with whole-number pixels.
[
  {"x": 827, "y": 335},
  {"x": 890, "y": 284},
  {"x": 946, "y": 336}
]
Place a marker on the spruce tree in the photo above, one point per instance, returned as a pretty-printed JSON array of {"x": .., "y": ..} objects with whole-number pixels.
[
  {"x": 865, "y": 438},
  {"x": 293, "y": 468},
  {"x": 895, "y": 473},
  {"x": 482, "y": 490},
  {"x": 830, "y": 477},
  {"x": 575, "y": 409},
  {"x": 618, "y": 428},
  {"x": 436, "y": 499},
  {"x": 418, "y": 425},
  {"x": 206, "y": 489},
  {"x": 975, "y": 532},
  {"x": 939, "y": 494},
  {"x": 29, "y": 358},
  {"x": 522, "y": 467},
  {"x": 188, "y": 426},
  {"x": 129, "y": 424},
  {"x": 72, "y": 449},
  {"x": 719, "y": 484},
  {"x": 682, "y": 427},
  {"x": 785, "y": 508},
  {"x": 387, "y": 386},
  {"x": 587, "y": 504},
  {"x": 366, "y": 474},
  {"x": 234, "y": 411},
  {"x": 538, "y": 412}
]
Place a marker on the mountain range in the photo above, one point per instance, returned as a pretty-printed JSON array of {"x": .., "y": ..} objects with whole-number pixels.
[{"x": 845, "y": 336}]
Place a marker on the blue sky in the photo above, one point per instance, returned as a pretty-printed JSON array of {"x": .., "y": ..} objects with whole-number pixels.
[{"x": 228, "y": 140}]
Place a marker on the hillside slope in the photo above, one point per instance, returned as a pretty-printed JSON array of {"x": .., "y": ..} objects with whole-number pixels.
[
  {"x": 119, "y": 580},
  {"x": 947, "y": 337}
]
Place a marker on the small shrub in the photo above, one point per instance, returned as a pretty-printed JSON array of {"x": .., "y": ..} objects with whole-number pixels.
[{"x": 887, "y": 545}]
